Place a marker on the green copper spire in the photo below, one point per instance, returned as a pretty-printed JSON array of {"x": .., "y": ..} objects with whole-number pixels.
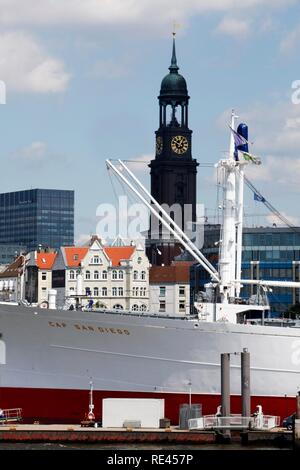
[{"x": 174, "y": 67}]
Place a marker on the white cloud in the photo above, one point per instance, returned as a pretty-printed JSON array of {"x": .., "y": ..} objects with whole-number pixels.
[
  {"x": 139, "y": 163},
  {"x": 290, "y": 41},
  {"x": 274, "y": 128},
  {"x": 35, "y": 153},
  {"x": 235, "y": 27},
  {"x": 272, "y": 219},
  {"x": 277, "y": 169},
  {"x": 107, "y": 12},
  {"x": 25, "y": 66}
]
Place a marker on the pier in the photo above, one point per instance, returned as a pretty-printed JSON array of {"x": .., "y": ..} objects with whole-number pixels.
[{"x": 276, "y": 437}]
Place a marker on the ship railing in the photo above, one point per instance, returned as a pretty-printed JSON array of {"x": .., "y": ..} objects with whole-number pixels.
[
  {"x": 233, "y": 421},
  {"x": 11, "y": 415},
  {"x": 265, "y": 422}
]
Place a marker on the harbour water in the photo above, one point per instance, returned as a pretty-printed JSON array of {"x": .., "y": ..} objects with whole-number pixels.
[{"x": 132, "y": 447}]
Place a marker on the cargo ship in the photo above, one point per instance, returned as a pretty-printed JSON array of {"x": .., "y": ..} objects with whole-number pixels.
[{"x": 48, "y": 356}]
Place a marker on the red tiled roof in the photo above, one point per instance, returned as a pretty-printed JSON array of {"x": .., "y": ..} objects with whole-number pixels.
[
  {"x": 14, "y": 269},
  {"x": 45, "y": 260},
  {"x": 75, "y": 255},
  {"x": 118, "y": 253},
  {"x": 170, "y": 274}
]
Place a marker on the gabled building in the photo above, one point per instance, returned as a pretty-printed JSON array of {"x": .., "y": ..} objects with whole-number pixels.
[
  {"x": 12, "y": 280},
  {"x": 113, "y": 277}
]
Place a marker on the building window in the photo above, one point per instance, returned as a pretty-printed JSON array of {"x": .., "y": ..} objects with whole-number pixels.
[
  {"x": 88, "y": 291},
  {"x": 104, "y": 291},
  {"x": 71, "y": 275},
  {"x": 139, "y": 260},
  {"x": 121, "y": 274},
  {"x": 96, "y": 291},
  {"x": 135, "y": 291},
  {"x": 143, "y": 291},
  {"x": 162, "y": 291},
  {"x": 143, "y": 275},
  {"x": 104, "y": 275},
  {"x": 114, "y": 292},
  {"x": 162, "y": 305},
  {"x": 121, "y": 291},
  {"x": 118, "y": 307},
  {"x": 96, "y": 274},
  {"x": 135, "y": 275},
  {"x": 182, "y": 291},
  {"x": 135, "y": 307},
  {"x": 75, "y": 257},
  {"x": 115, "y": 274},
  {"x": 95, "y": 260},
  {"x": 88, "y": 275},
  {"x": 44, "y": 289},
  {"x": 143, "y": 308},
  {"x": 44, "y": 276},
  {"x": 181, "y": 306},
  {"x": 77, "y": 273}
]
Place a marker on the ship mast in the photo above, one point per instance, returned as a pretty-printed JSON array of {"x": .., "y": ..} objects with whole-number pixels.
[
  {"x": 227, "y": 281},
  {"x": 227, "y": 263}
]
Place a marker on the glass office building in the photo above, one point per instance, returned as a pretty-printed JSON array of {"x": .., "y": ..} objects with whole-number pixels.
[
  {"x": 9, "y": 252},
  {"x": 37, "y": 217},
  {"x": 269, "y": 253}
]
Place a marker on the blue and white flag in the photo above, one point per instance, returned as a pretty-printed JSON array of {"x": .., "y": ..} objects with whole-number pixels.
[
  {"x": 238, "y": 139},
  {"x": 259, "y": 198}
]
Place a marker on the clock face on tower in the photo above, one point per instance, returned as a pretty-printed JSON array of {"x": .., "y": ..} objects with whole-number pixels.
[
  {"x": 179, "y": 144},
  {"x": 159, "y": 145}
]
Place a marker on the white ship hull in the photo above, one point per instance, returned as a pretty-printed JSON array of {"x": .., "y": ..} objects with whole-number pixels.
[{"x": 48, "y": 357}]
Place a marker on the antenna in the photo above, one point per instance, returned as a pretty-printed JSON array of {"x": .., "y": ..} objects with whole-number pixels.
[
  {"x": 91, "y": 416},
  {"x": 176, "y": 26}
]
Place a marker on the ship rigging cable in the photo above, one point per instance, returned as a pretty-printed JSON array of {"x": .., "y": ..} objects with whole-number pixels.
[{"x": 251, "y": 186}]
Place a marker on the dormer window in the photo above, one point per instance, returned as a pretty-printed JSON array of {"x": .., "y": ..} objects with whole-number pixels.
[{"x": 75, "y": 257}]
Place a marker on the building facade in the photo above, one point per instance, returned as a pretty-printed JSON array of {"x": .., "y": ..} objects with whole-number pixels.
[
  {"x": 269, "y": 253},
  {"x": 37, "y": 217},
  {"x": 12, "y": 280},
  {"x": 173, "y": 170},
  {"x": 112, "y": 277},
  {"x": 38, "y": 279},
  {"x": 170, "y": 289}
]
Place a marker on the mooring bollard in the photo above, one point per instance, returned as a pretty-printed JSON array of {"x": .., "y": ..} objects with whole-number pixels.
[
  {"x": 245, "y": 382},
  {"x": 225, "y": 390}
]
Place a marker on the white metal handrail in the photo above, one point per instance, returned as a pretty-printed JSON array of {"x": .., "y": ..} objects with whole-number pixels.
[
  {"x": 234, "y": 422},
  {"x": 10, "y": 415}
]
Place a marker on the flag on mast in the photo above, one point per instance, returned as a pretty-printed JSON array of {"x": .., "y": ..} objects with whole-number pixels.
[
  {"x": 259, "y": 198},
  {"x": 238, "y": 139},
  {"x": 248, "y": 157}
]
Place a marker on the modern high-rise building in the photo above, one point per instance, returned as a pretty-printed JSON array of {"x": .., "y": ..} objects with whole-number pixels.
[{"x": 37, "y": 217}]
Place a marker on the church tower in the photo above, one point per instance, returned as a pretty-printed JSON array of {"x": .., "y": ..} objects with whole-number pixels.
[{"x": 173, "y": 171}]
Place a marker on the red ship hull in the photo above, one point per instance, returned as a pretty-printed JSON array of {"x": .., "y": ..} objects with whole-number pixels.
[{"x": 71, "y": 406}]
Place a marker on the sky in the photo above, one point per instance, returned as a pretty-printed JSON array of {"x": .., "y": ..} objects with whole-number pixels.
[{"x": 82, "y": 79}]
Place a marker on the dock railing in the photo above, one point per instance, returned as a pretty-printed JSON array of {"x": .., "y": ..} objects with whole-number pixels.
[
  {"x": 11, "y": 415},
  {"x": 234, "y": 422}
]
